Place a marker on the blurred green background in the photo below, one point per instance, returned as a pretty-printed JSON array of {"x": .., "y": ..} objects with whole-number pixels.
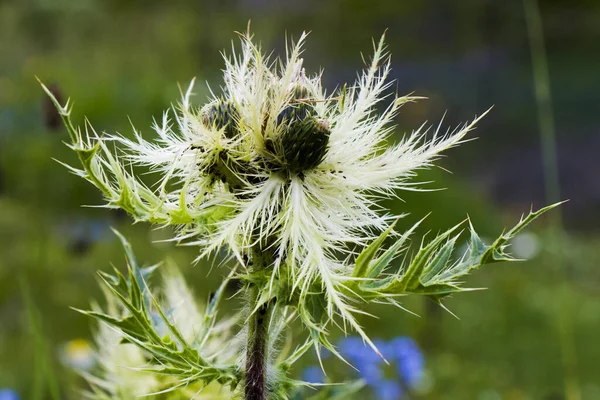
[{"x": 532, "y": 335}]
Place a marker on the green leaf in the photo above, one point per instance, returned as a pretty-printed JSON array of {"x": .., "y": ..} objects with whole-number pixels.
[
  {"x": 364, "y": 258},
  {"x": 411, "y": 278},
  {"x": 380, "y": 264},
  {"x": 434, "y": 274},
  {"x": 440, "y": 261}
]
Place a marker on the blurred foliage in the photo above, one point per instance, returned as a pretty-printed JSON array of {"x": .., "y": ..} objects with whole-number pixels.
[{"x": 118, "y": 59}]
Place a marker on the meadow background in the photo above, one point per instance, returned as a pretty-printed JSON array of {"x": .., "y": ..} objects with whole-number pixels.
[{"x": 532, "y": 335}]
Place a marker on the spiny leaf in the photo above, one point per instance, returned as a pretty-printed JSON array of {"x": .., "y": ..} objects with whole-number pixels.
[
  {"x": 410, "y": 278},
  {"x": 170, "y": 352},
  {"x": 364, "y": 258},
  {"x": 440, "y": 261},
  {"x": 378, "y": 266},
  {"x": 481, "y": 254}
]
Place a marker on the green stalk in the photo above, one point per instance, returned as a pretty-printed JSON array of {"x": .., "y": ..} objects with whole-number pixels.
[
  {"x": 42, "y": 365},
  {"x": 44, "y": 371},
  {"x": 543, "y": 98}
]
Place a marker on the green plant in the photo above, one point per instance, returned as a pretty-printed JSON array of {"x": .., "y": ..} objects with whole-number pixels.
[{"x": 285, "y": 179}]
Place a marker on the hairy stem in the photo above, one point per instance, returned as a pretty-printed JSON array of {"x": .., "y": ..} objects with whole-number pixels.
[
  {"x": 256, "y": 351},
  {"x": 258, "y": 330}
]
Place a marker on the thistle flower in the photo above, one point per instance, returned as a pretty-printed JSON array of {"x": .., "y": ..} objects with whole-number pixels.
[
  {"x": 287, "y": 179},
  {"x": 274, "y": 159}
]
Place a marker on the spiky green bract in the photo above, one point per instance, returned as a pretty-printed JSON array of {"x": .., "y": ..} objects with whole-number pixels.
[
  {"x": 121, "y": 189},
  {"x": 178, "y": 347}
]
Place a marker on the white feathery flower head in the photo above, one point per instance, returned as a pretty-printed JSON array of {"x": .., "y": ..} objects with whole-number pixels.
[
  {"x": 274, "y": 158},
  {"x": 274, "y": 161}
]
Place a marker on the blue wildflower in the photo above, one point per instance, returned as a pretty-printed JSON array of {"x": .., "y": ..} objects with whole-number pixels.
[
  {"x": 388, "y": 390},
  {"x": 402, "y": 351},
  {"x": 409, "y": 360},
  {"x": 313, "y": 375},
  {"x": 8, "y": 394},
  {"x": 355, "y": 350},
  {"x": 371, "y": 373}
]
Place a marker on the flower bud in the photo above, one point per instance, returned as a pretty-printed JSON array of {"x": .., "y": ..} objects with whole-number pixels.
[
  {"x": 222, "y": 114},
  {"x": 304, "y": 137},
  {"x": 305, "y": 143},
  {"x": 298, "y": 109}
]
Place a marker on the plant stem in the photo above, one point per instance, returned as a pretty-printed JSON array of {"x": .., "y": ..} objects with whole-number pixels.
[
  {"x": 562, "y": 311},
  {"x": 255, "y": 387},
  {"x": 256, "y": 351},
  {"x": 541, "y": 77}
]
